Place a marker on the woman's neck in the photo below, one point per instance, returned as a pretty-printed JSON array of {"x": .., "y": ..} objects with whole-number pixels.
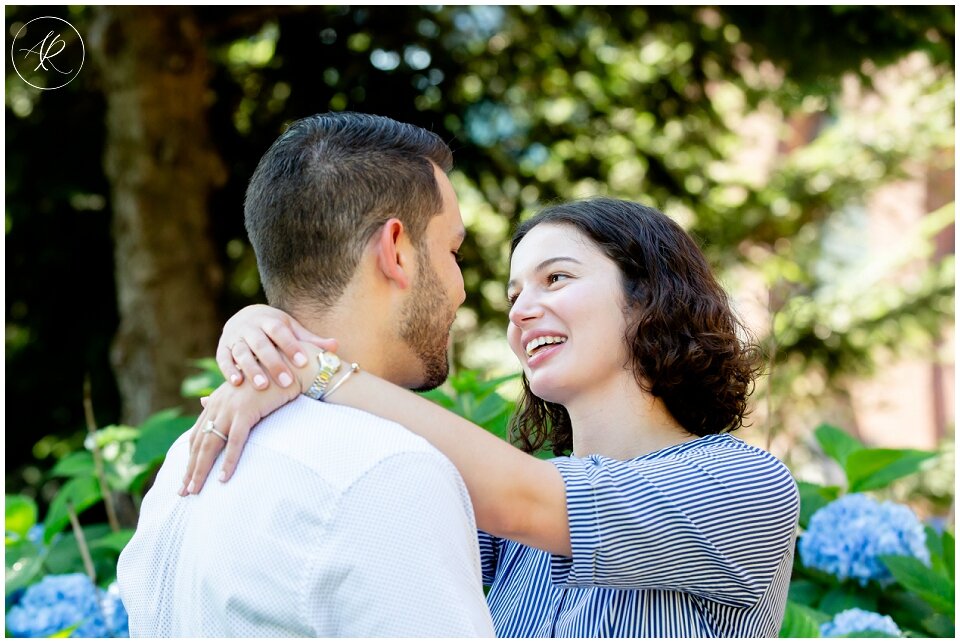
[{"x": 622, "y": 423}]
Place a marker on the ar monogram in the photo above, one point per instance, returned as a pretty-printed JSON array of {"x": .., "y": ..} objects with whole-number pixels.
[
  {"x": 45, "y": 52},
  {"x": 41, "y": 55}
]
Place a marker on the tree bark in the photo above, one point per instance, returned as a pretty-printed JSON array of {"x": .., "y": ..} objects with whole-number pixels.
[{"x": 162, "y": 167}]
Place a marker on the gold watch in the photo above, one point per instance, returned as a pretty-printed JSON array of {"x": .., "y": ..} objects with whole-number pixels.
[{"x": 329, "y": 365}]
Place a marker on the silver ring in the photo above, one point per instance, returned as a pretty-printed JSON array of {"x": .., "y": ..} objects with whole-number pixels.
[{"x": 210, "y": 427}]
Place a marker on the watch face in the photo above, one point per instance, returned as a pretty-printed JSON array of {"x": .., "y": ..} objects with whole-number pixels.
[{"x": 330, "y": 360}]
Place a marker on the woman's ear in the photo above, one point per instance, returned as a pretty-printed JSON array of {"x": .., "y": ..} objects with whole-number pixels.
[{"x": 394, "y": 256}]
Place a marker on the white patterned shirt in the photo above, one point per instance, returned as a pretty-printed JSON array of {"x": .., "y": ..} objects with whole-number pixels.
[{"x": 336, "y": 523}]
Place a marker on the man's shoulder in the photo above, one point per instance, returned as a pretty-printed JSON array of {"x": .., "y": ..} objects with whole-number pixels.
[{"x": 339, "y": 443}]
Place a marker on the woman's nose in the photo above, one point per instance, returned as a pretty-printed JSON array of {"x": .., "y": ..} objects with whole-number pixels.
[{"x": 525, "y": 309}]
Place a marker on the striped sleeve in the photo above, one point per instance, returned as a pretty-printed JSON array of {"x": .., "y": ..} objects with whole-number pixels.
[
  {"x": 712, "y": 522},
  {"x": 489, "y": 554}
]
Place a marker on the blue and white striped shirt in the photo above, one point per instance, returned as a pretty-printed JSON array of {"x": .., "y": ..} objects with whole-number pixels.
[{"x": 695, "y": 540}]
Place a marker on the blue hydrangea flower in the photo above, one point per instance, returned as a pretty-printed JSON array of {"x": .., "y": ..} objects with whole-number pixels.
[
  {"x": 846, "y": 537},
  {"x": 62, "y": 601},
  {"x": 858, "y": 620},
  {"x": 115, "y": 612}
]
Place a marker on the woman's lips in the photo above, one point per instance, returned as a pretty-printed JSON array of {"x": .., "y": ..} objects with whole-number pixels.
[{"x": 543, "y": 354}]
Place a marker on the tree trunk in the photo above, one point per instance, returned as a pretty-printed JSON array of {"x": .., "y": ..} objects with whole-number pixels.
[{"x": 162, "y": 167}]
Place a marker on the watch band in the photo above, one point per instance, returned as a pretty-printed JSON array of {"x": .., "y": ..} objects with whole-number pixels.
[{"x": 329, "y": 365}]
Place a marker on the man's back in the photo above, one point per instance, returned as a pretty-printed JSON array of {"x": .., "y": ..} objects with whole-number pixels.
[{"x": 336, "y": 523}]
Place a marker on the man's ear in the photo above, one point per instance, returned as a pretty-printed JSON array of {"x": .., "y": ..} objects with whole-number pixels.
[{"x": 394, "y": 254}]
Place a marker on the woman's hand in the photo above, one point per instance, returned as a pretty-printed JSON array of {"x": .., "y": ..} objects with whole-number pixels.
[
  {"x": 233, "y": 410},
  {"x": 256, "y": 339}
]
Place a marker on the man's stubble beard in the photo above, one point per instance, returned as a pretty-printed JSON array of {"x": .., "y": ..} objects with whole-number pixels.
[{"x": 425, "y": 327}]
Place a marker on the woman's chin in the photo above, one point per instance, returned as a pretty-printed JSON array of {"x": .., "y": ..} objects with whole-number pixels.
[{"x": 547, "y": 391}]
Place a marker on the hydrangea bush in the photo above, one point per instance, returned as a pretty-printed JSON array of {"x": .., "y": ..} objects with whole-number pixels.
[
  {"x": 858, "y": 621},
  {"x": 847, "y": 537},
  {"x": 867, "y": 567},
  {"x": 68, "y": 603},
  {"x": 48, "y": 590}
]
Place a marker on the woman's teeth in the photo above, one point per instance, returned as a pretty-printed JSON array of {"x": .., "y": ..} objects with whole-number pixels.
[{"x": 534, "y": 344}]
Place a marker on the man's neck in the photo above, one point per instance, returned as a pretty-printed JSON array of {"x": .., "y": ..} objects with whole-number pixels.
[{"x": 362, "y": 337}]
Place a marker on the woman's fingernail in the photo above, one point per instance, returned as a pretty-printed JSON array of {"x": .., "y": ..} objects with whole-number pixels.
[
  {"x": 235, "y": 379},
  {"x": 183, "y": 491},
  {"x": 190, "y": 487},
  {"x": 285, "y": 380},
  {"x": 300, "y": 359},
  {"x": 260, "y": 381},
  {"x": 222, "y": 477}
]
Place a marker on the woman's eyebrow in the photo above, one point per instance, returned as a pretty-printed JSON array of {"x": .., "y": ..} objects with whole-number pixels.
[{"x": 543, "y": 264}]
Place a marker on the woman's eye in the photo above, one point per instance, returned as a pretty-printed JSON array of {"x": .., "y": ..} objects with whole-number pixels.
[{"x": 555, "y": 277}]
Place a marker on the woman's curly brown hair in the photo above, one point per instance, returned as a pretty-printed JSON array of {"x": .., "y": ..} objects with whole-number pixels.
[{"x": 685, "y": 346}]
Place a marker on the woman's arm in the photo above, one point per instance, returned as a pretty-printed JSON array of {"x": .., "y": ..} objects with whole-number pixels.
[{"x": 514, "y": 495}]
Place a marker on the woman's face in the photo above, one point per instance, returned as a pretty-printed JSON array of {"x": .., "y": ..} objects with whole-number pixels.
[{"x": 567, "y": 323}]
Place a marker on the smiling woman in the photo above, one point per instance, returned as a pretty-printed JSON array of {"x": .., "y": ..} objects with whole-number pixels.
[
  {"x": 660, "y": 523},
  {"x": 651, "y": 313}
]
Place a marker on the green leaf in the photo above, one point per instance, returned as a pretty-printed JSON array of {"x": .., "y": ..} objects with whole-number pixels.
[
  {"x": 464, "y": 403},
  {"x": 113, "y": 542},
  {"x": 464, "y": 382},
  {"x": 113, "y": 433},
  {"x": 868, "y": 634},
  {"x": 838, "y": 599},
  {"x": 906, "y": 608},
  {"x": 203, "y": 383},
  {"x": 498, "y": 425},
  {"x": 491, "y": 385},
  {"x": 940, "y": 625},
  {"x": 805, "y": 592},
  {"x": 492, "y": 407},
  {"x": 439, "y": 397},
  {"x": 812, "y": 498},
  {"x": 23, "y": 565},
  {"x": 208, "y": 364},
  {"x": 476, "y": 400},
  {"x": 74, "y": 465},
  {"x": 65, "y": 633},
  {"x": 837, "y": 443},
  {"x": 949, "y": 552},
  {"x": 140, "y": 481},
  {"x": 936, "y": 589},
  {"x": 800, "y": 622},
  {"x": 158, "y": 433},
  {"x": 876, "y": 468},
  {"x": 160, "y": 419},
  {"x": 200, "y": 385},
  {"x": 935, "y": 547},
  {"x": 82, "y": 493},
  {"x": 64, "y": 555},
  {"x": 21, "y": 515}
]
